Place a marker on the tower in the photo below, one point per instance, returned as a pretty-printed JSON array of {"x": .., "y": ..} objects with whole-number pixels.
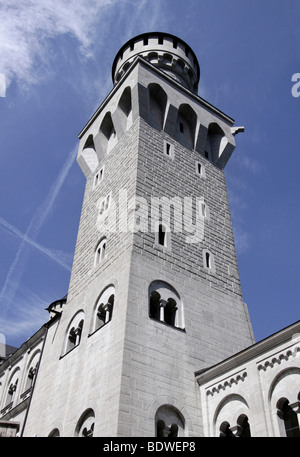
[{"x": 154, "y": 294}]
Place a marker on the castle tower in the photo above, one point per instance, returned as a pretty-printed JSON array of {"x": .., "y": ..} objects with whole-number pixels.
[{"x": 154, "y": 294}]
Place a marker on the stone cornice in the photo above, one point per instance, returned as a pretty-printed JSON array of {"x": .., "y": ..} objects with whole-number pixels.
[{"x": 256, "y": 350}]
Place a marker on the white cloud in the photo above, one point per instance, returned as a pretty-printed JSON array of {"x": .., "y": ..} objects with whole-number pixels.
[
  {"x": 25, "y": 25},
  {"x": 2, "y": 85},
  {"x": 28, "y": 26},
  {"x": 25, "y": 318}
]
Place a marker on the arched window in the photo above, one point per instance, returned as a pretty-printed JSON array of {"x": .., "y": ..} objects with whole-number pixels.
[
  {"x": 158, "y": 103},
  {"x": 85, "y": 425},
  {"x": 108, "y": 133},
  {"x": 186, "y": 125},
  {"x": 289, "y": 417},
  {"x": 98, "y": 177},
  {"x": 125, "y": 105},
  {"x": 213, "y": 142},
  {"x": 104, "y": 308},
  {"x": 74, "y": 332},
  {"x": 31, "y": 375},
  {"x": 169, "y": 422},
  {"x": 12, "y": 387},
  {"x": 31, "y": 371},
  {"x": 100, "y": 251},
  {"x": 165, "y": 304},
  {"x": 89, "y": 144}
]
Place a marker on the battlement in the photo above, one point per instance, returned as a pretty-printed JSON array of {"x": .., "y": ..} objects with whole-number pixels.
[{"x": 165, "y": 51}]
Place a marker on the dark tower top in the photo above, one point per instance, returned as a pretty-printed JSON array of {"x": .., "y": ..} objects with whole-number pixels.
[{"x": 167, "y": 52}]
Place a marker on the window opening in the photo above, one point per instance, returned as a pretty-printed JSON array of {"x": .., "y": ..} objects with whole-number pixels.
[
  {"x": 170, "y": 311},
  {"x": 207, "y": 259},
  {"x": 161, "y": 235},
  {"x": 104, "y": 205},
  {"x": 86, "y": 424},
  {"x": 11, "y": 392},
  {"x": 163, "y": 310},
  {"x": 181, "y": 127},
  {"x": 74, "y": 336},
  {"x": 104, "y": 312},
  {"x": 169, "y": 422},
  {"x": 169, "y": 149},
  {"x": 98, "y": 177},
  {"x": 30, "y": 377},
  {"x": 100, "y": 251},
  {"x": 289, "y": 416}
]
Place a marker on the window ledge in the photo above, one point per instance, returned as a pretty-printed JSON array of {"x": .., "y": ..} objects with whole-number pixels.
[{"x": 168, "y": 325}]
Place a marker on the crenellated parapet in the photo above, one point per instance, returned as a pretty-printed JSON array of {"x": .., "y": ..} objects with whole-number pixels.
[{"x": 166, "y": 52}]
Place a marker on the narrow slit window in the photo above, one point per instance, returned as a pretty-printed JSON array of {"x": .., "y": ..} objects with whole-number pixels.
[
  {"x": 98, "y": 177},
  {"x": 168, "y": 149},
  {"x": 207, "y": 260},
  {"x": 181, "y": 127},
  {"x": 161, "y": 235},
  {"x": 199, "y": 169}
]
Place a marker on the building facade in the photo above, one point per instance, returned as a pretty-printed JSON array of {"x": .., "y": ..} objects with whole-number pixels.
[{"x": 154, "y": 311}]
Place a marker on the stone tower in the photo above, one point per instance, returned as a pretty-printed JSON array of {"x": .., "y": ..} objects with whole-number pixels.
[{"x": 154, "y": 294}]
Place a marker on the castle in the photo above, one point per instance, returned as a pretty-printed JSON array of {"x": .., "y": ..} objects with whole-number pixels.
[{"x": 153, "y": 338}]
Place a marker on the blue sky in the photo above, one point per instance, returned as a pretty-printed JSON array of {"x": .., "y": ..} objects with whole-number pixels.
[{"x": 55, "y": 70}]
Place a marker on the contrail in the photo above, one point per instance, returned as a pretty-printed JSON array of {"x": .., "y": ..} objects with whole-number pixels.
[
  {"x": 33, "y": 243},
  {"x": 15, "y": 272}
]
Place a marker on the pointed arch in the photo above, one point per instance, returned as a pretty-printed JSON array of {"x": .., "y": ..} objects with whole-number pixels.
[
  {"x": 186, "y": 125},
  {"x": 125, "y": 109},
  {"x": 108, "y": 132},
  {"x": 157, "y": 105},
  {"x": 214, "y": 142}
]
